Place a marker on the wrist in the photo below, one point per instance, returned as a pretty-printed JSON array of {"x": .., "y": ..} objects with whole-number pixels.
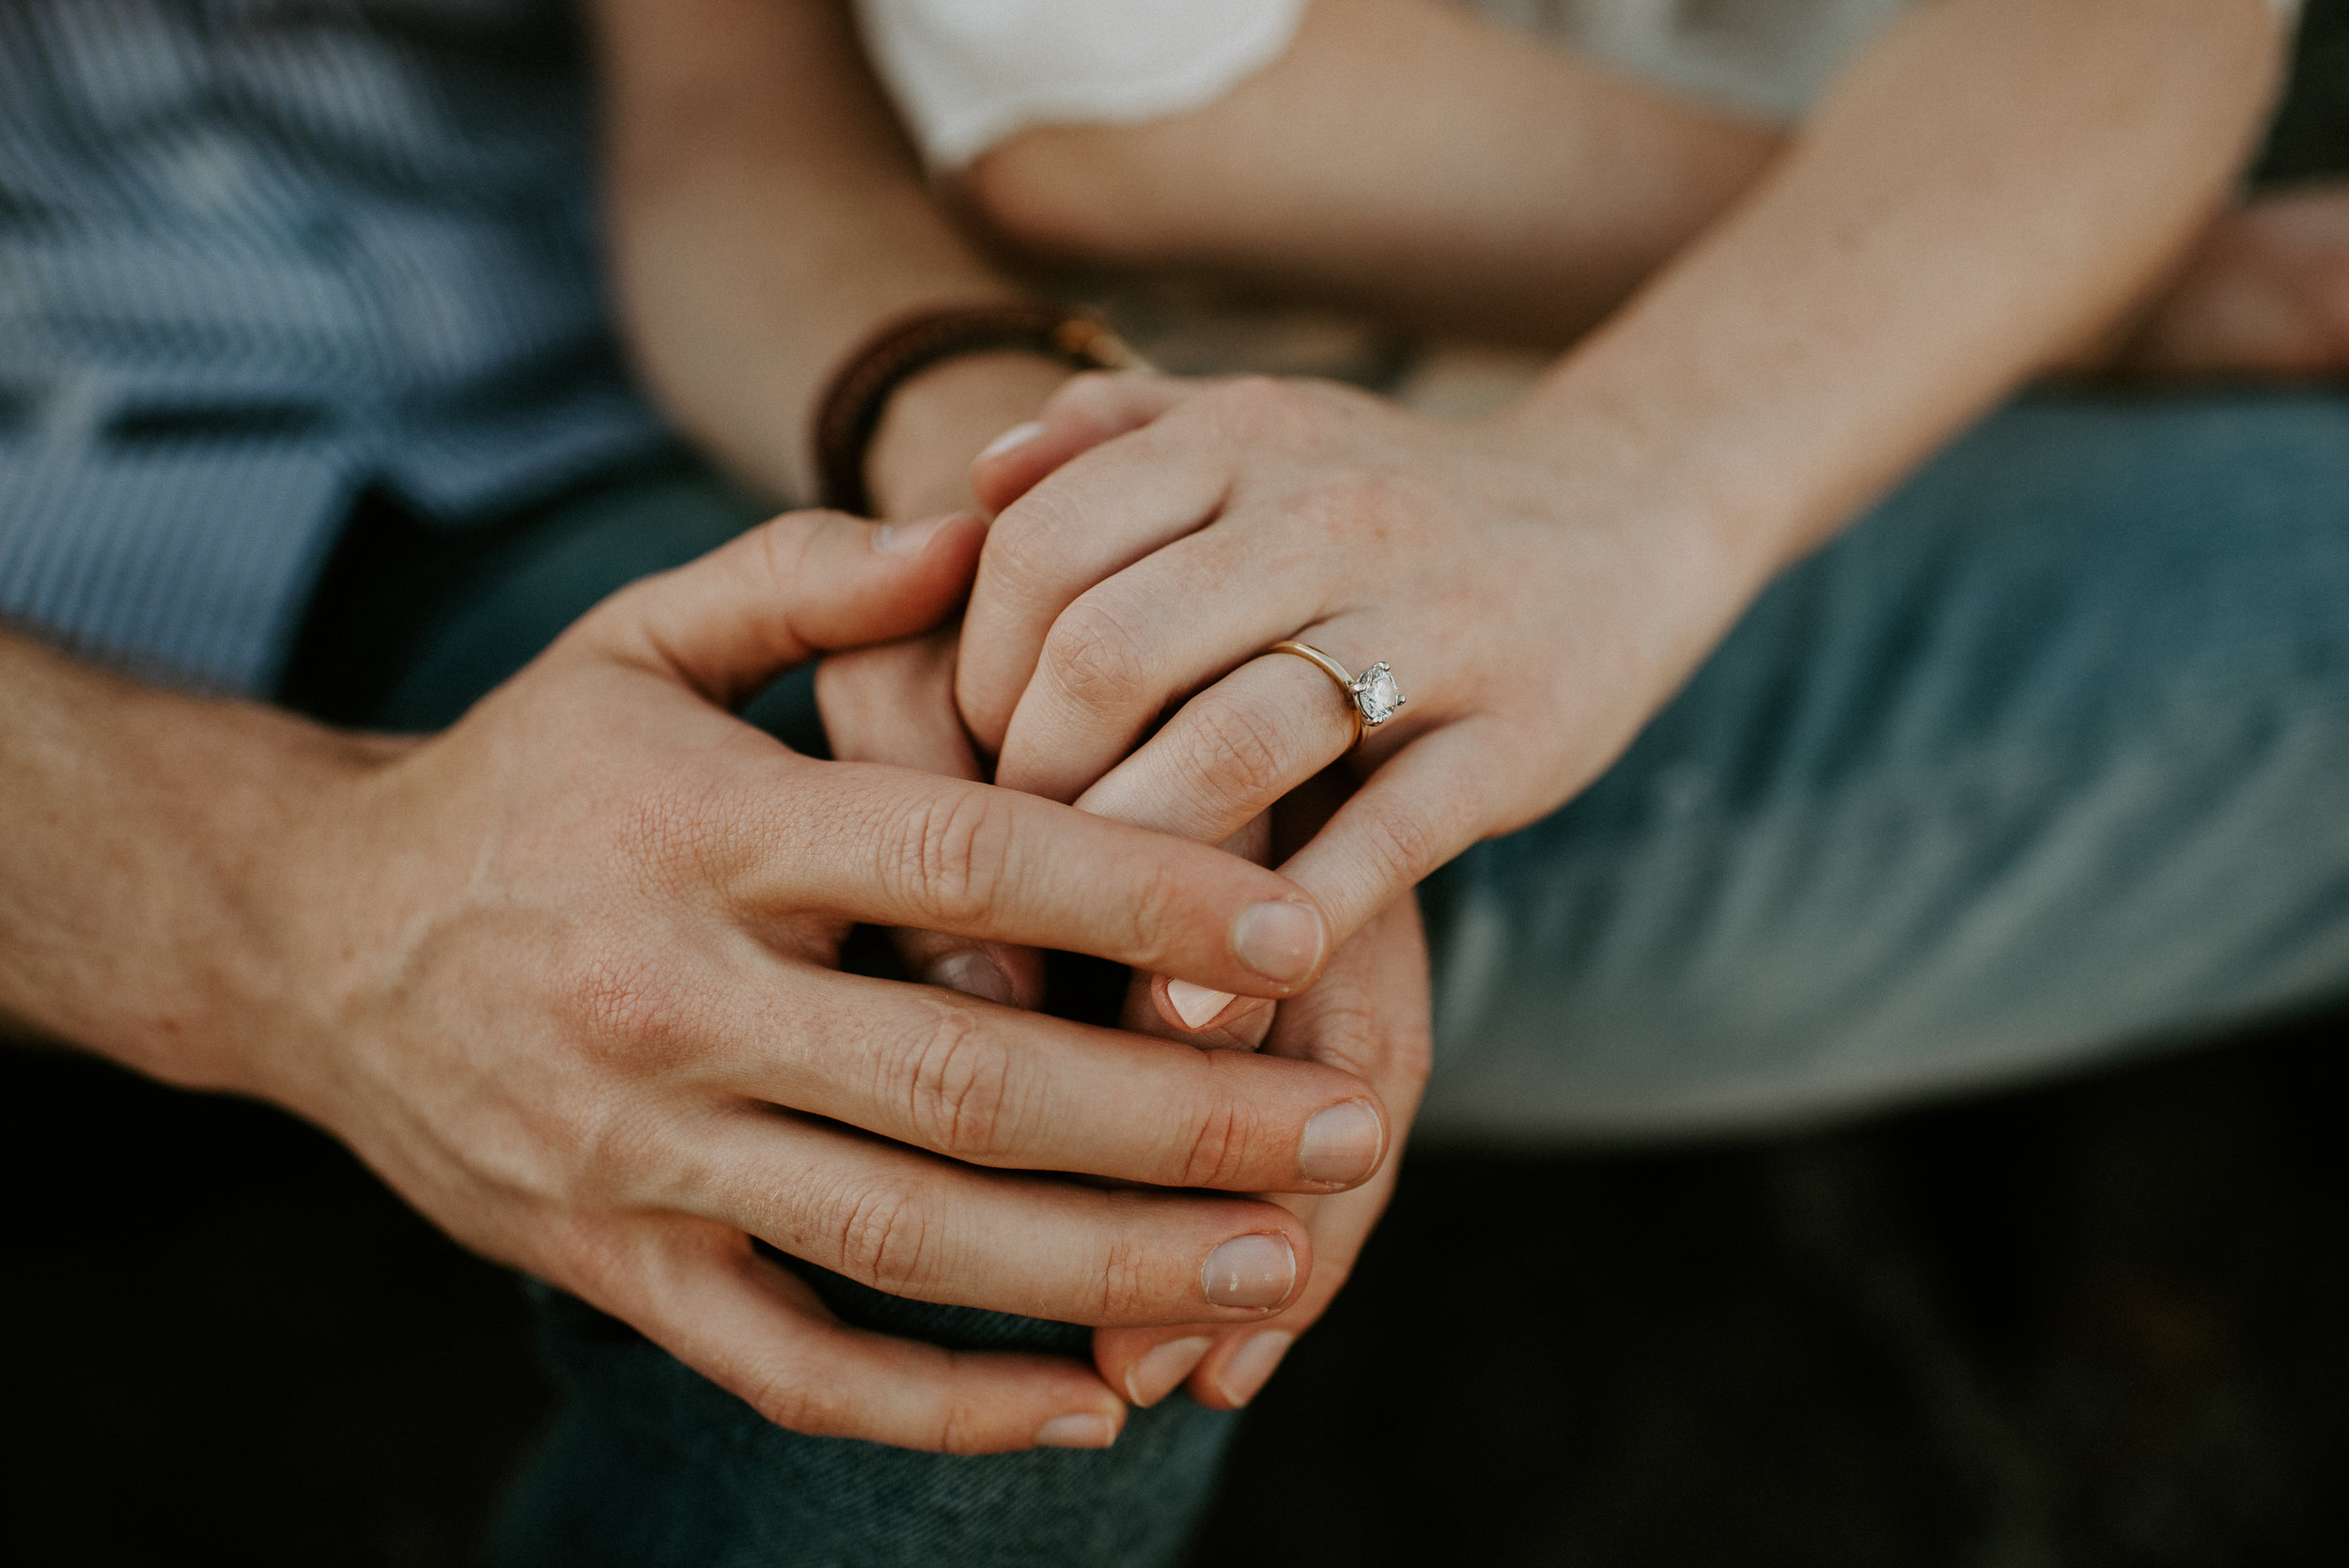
[
  {"x": 1713, "y": 545},
  {"x": 940, "y": 419},
  {"x": 145, "y": 917}
]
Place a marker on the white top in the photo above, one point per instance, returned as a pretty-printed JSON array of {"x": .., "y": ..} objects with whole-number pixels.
[{"x": 968, "y": 74}]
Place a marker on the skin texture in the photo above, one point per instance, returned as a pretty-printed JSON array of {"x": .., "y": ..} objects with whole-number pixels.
[
  {"x": 1992, "y": 186},
  {"x": 766, "y": 215},
  {"x": 1983, "y": 191},
  {"x": 1408, "y": 159},
  {"x": 1402, "y": 156},
  {"x": 564, "y": 974},
  {"x": 1368, "y": 1015}
]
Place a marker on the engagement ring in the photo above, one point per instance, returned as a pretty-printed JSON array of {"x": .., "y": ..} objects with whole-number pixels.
[{"x": 1373, "y": 695}]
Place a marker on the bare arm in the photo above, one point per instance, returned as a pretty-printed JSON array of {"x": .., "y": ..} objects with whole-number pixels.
[
  {"x": 1400, "y": 156},
  {"x": 766, "y": 215},
  {"x": 1448, "y": 175},
  {"x": 135, "y": 918},
  {"x": 557, "y": 973},
  {"x": 1991, "y": 186},
  {"x": 563, "y": 973}
]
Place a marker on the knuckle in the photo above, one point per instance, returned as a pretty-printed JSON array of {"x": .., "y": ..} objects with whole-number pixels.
[
  {"x": 1262, "y": 407},
  {"x": 1235, "y": 754},
  {"x": 1152, "y": 922},
  {"x": 784, "y": 545},
  {"x": 673, "y": 833},
  {"x": 883, "y": 1237},
  {"x": 960, "y": 1430},
  {"x": 1125, "y": 1294},
  {"x": 1017, "y": 557},
  {"x": 1026, "y": 549},
  {"x": 1097, "y": 396},
  {"x": 1404, "y": 844},
  {"x": 1217, "y": 1152},
  {"x": 1347, "y": 1034},
  {"x": 959, "y": 1089},
  {"x": 790, "y": 1399},
  {"x": 1095, "y": 661},
  {"x": 949, "y": 857},
  {"x": 625, "y": 1003}
]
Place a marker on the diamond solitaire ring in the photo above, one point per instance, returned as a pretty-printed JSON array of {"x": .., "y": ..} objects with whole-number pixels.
[{"x": 1373, "y": 695}]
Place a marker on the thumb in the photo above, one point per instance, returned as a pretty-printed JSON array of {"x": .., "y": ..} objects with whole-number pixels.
[{"x": 795, "y": 586}]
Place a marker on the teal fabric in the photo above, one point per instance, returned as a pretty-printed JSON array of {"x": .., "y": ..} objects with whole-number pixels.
[
  {"x": 2041, "y": 764},
  {"x": 648, "y": 1464}
]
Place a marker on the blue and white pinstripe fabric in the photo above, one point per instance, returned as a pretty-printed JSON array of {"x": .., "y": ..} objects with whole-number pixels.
[{"x": 256, "y": 255}]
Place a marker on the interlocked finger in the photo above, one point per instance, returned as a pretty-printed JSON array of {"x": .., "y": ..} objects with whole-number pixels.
[
  {"x": 1231, "y": 752},
  {"x": 888, "y": 846},
  {"x": 895, "y": 703},
  {"x": 916, "y": 1226},
  {"x": 1369, "y": 1014},
  {"x": 700, "y": 1291},
  {"x": 1087, "y": 410},
  {"x": 1117, "y": 658},
  {"x": 994, "y": 1086},
  {"x": 1423, "y": 805}
]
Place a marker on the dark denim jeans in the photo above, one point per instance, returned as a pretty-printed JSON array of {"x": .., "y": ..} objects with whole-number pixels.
[{"x": 2045, "y": 760}]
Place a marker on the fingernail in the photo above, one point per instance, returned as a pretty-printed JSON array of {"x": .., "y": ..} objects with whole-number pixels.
[
  {"x": 1280, "y": 941},
  {"x": 1250, "y": 1366},
  {"x": 1159, "y": 1373},
  {"x": 1018, "y": 435},
  {"x": 976, "y": 974},
  {"x": 1341, "y": 1144},
  {"x": 1194, "y": 1005},
  {"x": 1250, "y": 1271},
  {"x": 909, "y": 539},
  {"x": 1078, "y": 1432}
]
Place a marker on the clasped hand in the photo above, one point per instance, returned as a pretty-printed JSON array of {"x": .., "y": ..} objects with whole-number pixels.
[
  {"x": 566, "y": 978},
  {"x": 1154, "y": 537}
]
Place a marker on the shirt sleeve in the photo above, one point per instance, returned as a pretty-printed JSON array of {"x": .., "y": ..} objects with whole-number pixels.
[{"x": 966, "y": 74}]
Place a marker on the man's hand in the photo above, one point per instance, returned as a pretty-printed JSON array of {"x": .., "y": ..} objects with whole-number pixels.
[
  {"x": 562, "y": 975},
  {"x": 1368, "y": 1015}
]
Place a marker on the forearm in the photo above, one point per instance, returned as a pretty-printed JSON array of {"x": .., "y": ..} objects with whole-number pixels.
[
  {"x": 765, "y": 216},
  {"x": 1992, "y": 184},
  {"x": 137, "y": 912},
  {"x": 1403, "y": 157}
]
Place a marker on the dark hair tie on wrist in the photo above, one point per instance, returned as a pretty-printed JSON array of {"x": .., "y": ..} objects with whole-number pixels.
[{"x": 858, "y": 394}]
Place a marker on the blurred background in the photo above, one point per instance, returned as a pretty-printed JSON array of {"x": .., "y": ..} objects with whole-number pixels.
[{"x": 2098, "y": 1323}]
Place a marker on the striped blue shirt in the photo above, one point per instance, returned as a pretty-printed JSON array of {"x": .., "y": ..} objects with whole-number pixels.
[{"x": 259, "y": 255}]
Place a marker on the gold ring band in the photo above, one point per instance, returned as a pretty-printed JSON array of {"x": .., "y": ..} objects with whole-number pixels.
[{"x": 1372, "y": 697}]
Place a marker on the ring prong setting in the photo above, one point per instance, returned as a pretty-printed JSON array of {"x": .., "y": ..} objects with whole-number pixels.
[{"x": 1376, "y": 694}]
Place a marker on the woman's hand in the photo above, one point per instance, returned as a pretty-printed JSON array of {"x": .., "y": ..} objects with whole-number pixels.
[
  {"x": 1165, "y": 533},
  {"x": 1368, "y": 1015},
  {"x": 1989, "y": 184}
]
